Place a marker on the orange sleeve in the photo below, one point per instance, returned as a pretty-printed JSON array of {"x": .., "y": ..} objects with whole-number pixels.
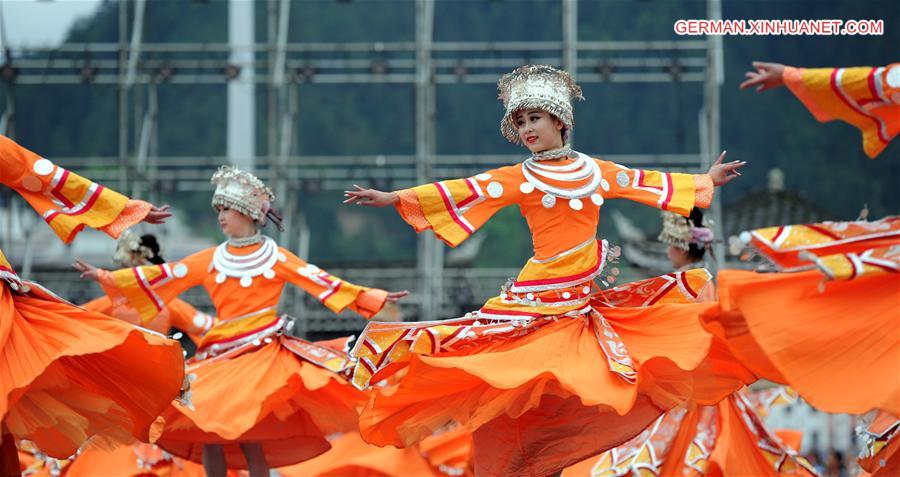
[
  {"x": 865, "y": 97},
  {"x": 703, "y": 190},
  {"x": 336, "y": 294},
  {"x": 189, "y": 319},
  {"x": 133, "y": 213},
  {"x": 455, "y": 209},
  {"x": 411, "y": 211},
  {"x": 66, "y": 201},
  {"x": 674, "y": 192},
  {"x": 148, "y": 289}
]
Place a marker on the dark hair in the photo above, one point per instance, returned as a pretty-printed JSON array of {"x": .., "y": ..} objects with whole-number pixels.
[
  {"x": 695, "y": 251},
  {"x": 149, "y": 241}
]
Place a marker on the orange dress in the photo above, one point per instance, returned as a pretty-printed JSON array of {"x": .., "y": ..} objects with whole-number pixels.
[
  {"x": 552, "y": 370},
  {"x": 828, "y": 329},
  {"x": 254, "y": 383},
  {"x": 728, "y": 439},
  {"x": 67, "y": 374},
  {"x": 865, "y": 97}
]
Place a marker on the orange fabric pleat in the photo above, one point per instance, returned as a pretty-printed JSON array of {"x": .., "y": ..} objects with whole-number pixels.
[
  {"x": 509, "y": 392},
  {"x": 834, "y": 347},
  {"x": 68, "y": 374},
  {"x": 268, "y": 396}
]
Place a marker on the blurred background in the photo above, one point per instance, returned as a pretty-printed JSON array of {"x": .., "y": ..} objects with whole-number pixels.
[{"x": 150, "y": 97}]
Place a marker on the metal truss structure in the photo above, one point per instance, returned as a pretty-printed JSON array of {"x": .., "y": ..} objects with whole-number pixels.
[{"x": 139, "y": 69}]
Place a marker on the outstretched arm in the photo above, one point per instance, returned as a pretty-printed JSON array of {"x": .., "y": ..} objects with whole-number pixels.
[
  {"x": 147, "y": 289},
  {"x": 674, "y": 192},
  {"x": 67, "y": 201},
  {"x": 453, "y": 209},
  {"x": 866, "y": 97},
  {"x": 333, "y": 292}
]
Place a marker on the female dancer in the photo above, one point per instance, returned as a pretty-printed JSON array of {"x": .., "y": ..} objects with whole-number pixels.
[
  {"x": 867, "y": 98},
  {"x": 262, "y": 398},
  {"x": 548, "y": 372},
  {"x": 67, "y": 374}
]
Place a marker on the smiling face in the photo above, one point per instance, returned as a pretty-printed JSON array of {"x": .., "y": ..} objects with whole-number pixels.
[
  {"x": 235, "y": 224},
  {"x": 539, "y": 130}
]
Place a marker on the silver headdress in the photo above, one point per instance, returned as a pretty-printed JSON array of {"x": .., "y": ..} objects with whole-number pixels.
[
  {"x": 537, "y": 87},
  {"x": 130, "y": 252},
  {"x": 243, "y": 192},
  {"x": 680, "y": 232}
]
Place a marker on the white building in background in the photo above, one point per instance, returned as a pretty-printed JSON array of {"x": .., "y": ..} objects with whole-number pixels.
[{"x": 822, "y": 432}]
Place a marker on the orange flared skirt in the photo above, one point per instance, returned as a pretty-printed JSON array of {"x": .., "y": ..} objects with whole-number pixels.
[
  {"x": 267, "y": 395},
  {"x": 67, "y": 375},
  {"x": 542, "y": 401},
  {"x": 838, "y": 347}
]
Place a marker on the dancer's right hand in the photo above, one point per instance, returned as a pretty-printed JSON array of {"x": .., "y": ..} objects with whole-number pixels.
[
  {"x": 88, "y": 271},
  {"x": 766, "y": 76},
  {"x": 157, "y": 215},
  {"x": 370, "y": 197}
]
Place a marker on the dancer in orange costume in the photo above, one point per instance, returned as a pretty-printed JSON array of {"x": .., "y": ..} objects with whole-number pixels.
[
  {"x": 134, "y": 251},
  {"x": 865, "y": 97},
  {"x": 66, "y": 374},
  {"x": 725, "y": 438},
  {"x": 262, "y": 398},
  {"x": 551, "y": 371},
  {"x": 824, "y": 324}
]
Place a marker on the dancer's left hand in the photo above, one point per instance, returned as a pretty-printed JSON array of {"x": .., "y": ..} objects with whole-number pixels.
[
  {"x": 88, "y": 271},
  {"x": 722, "y": 174}
]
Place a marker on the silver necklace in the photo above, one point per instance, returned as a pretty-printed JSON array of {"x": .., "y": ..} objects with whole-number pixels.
[
  {"x": 586, "y": 168},
  {"x": 245, "y": 241},
  {"x": 247, "y": 267},
  {"x": 562, "y": 152}
]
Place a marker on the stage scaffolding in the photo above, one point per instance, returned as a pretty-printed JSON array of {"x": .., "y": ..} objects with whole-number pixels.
[{"x": 139, "y": 69}]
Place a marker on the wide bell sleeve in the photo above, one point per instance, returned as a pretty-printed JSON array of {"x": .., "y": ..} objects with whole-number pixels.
[
  {"x": 455, "y": 209},
  {"x": 867, "y": 98},
  {"x": 149, "y": 288},
  {"x": 675, "y": 192},
  {"x": 65, "y": 200},
  {"x": 335, "y": 293}
]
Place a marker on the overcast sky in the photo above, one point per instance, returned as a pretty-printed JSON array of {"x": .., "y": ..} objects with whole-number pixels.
[{"x": 42, "y": 22}]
